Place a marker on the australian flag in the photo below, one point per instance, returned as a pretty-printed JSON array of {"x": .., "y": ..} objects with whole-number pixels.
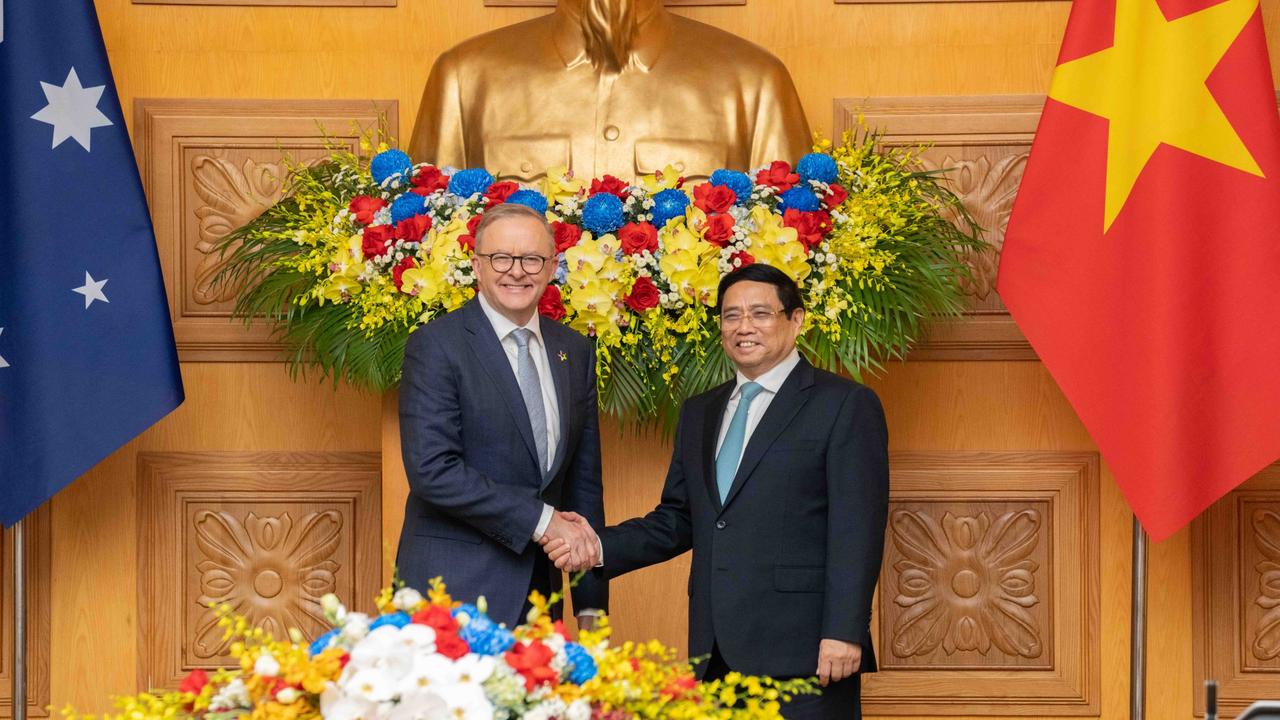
[{"x": 87, "y": 360}]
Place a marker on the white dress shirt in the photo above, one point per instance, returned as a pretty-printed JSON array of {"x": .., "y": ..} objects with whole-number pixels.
[{"x": 771, "y": 382}]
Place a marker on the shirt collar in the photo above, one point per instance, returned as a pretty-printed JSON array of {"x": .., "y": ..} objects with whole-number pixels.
[
  {"x": 773, "y": 379},
  {"x": 651, "y": 40},
  {"x": 503, "y": 326}
]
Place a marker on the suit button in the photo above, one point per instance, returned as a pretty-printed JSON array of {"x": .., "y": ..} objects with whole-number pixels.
[{"x": 720, "y": 524}]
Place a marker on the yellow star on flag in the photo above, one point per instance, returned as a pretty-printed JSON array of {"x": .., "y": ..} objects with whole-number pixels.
[{"x": 1150, "y": 85}]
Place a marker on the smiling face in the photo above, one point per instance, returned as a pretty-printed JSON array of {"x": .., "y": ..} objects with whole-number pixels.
[
  {"x": 756, "y": 346},
  {"x": 514, "y": 293}
]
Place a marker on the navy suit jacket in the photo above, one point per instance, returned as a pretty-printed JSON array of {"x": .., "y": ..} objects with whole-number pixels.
[
  {"x": 793, "y": 554},
  {"x": 476, "y": 490}
]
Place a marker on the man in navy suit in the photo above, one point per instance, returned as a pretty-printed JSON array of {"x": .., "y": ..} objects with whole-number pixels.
[
  {"x": 779, "y": 482},
  {"x": 499, "y": 426}
]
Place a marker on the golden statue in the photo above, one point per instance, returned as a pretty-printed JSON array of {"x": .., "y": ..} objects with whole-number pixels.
[{"x": 617, "y": 87}]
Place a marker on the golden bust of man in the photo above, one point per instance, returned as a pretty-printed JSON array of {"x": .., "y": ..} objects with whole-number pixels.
[{"x": 617, "y": 87}]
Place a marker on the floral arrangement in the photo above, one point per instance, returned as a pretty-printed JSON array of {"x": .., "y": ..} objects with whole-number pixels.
[
  {"x": 435, "y": 659},
  {"x": 360, "y": 252}
]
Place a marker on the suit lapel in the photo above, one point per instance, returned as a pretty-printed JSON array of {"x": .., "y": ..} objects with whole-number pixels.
[
  {"x": 713, "y": 414},
  {"x": 560, "y": 374},
  {"x": 484, "y": 342},
  {"x": 790, "y": 398}
]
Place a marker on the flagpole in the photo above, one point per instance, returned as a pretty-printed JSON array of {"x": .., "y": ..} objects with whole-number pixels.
[
  {"x": 1138, "y": 626},
  {"x": 19, "y": 695}
]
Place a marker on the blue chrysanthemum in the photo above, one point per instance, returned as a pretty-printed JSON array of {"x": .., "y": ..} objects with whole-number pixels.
[
  {"x": 529, "y": 198},
  {"x": 799, "y": 198},
  {"x": 388, "y": 163},
  {"x": 406, "y": 206},
  {"x": 739, "y": 182},
  {"x": 562, "y": 270},
  {"x": 396, "y": 619},
  {"x": 818, "y": 166},
  {"x": 580, "y": 666},
  {"x": 483, "y": 635},
  {"x": 602, "y": 214},
  {"x": 669, "y": 203},
  {"x": 466, "y": 183},
  {"x": 323, "y": 642}
]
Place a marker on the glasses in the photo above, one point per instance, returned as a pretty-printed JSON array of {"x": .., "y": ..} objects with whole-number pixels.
[
  {"x": 502, "y": 262},
  {"x": 759, "y": 317}
]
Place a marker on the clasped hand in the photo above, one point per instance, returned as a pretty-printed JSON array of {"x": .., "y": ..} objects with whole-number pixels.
[{"x": 570, "y": 542}]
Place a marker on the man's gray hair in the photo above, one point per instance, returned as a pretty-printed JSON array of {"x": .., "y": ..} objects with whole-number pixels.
[{"x": 509, "y": 211}]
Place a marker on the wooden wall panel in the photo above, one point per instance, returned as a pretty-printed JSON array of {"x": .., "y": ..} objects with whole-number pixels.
[
  {"x": 36, "y": 538},
  {"x": 267, "y": 533},
  {"x": 210, "y": 166}
]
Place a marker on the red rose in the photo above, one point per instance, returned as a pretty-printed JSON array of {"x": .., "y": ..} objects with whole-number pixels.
[
  {"x": 811, "y": 227},
  {"x": 468, "y": 241},
  {"x": 635, "y": 238},
  {"x": 611, "y": 185},
  {"x": 364, "y": 208},
  {"x": 398, "y": 271},
  {"x": 437, "y": 618},
  {"x": 835, "y": 196},
  {"x": 533, "y": 661},
  {"x": 551, "y": 305},
  {"x": 376, "y": 238},
  {"x": 412, "y": 229},
  {"x": 713, "y": 198},
  {"x": 429, "y": 179},
  {"x": 719, "y": 230},
  {"x": 643, "y": 296},
  {"x": 561, "y": 630},
  {"x": 567, "y": 235},
  {"x": 778, "y": 175},
  {"x": 194, "y": 682},
  {"x": 743, "y": 258},
  {"x": 451, "y": 646},
  {"x": 499, "y": 192}
]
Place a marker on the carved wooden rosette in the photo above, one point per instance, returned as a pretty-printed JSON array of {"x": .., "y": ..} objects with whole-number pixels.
[
  {"x": 988, "y": 601},
  {"x": 210, "y": 166},
  {"x": 36, "y": 529},
  {"x": 267, "y": 533}
]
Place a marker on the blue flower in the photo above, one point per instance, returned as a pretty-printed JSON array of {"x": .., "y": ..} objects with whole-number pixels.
[
  {"x": 388, "y": 163},
  {"x": 602, "y": 214},
  {"x": 562, "y": 271},
  {"x": 529, "y": 198},
  {"x": 739, "y": 182},
  {"x": 580, "y": 666},
  {"x": 466, "y": 183},
  {"x": 818, "y": 166},
  {"x": 406, "y": 206},
  {"x": 396, "y": 619},
  {"x": 799, "y": 198},
  {"x": 323, "y": 642},
  {"x": 483, "y": 635},
  {"x": 669, "y": 203}
]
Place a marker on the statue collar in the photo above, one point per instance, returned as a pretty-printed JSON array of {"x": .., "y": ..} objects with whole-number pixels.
[{"x": 651, "y": 40}]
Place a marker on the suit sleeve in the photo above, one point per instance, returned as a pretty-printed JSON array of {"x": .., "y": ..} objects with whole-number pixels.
[
  {"x": 665, "y": 532},
  {"x": 431, "y": 441},
  {"x": 858, "y": 505},
  {"x": 585, "y": 493}
]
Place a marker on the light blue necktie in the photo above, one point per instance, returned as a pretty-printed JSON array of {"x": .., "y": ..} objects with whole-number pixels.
[
  {"x": 731, "y": 449},
  {"x": 531, "y": 389}
]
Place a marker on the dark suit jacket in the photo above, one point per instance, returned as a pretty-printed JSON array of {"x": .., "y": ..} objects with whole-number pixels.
[
  {"x": 794, "y": 553},
  {"x": 476, "y": 489}
]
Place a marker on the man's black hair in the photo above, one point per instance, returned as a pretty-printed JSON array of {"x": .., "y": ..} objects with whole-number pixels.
[{"x": 788, "y": 291}]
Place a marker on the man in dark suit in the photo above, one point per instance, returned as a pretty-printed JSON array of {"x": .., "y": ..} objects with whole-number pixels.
[
  {"x": 779, "y": 483},
  {"x": 499, "y": 425}
]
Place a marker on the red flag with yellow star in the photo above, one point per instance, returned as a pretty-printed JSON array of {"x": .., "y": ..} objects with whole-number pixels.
[{"x": 1142, "y": 259}]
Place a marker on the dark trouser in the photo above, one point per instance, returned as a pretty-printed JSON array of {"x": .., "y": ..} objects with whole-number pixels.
[
  {"x": 838, "y": 701},
  {"x": 541, "y": 581}
]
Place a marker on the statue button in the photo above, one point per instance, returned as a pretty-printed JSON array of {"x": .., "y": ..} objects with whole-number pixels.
[
  {"x": 611, "y": 133},
  {"x": 526, "y": 167},
  {"x": 679, "y": 167}
]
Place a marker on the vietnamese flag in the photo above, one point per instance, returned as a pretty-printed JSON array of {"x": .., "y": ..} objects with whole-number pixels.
[{"x": 1142, "y": 259}]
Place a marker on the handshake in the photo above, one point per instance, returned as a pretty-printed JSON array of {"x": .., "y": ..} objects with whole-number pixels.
[{"x": 571, "y": 543}]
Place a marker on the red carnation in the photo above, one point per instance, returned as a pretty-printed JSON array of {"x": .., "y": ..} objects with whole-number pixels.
[
  {"x": 551, "y": 304},
  {"x": 635, "y": 238},
  {"x": 778, "y": 176},
  {"x": 468, "y": 241},
  {"x": 713, "y": 198},
  {"x": 643, "y": 296},
  {"x": 811, "y": 227},
  {"x": 567, "y": 235},
  {"x": 533, "y": 661},
  {"x": 397, "y": 272},
  {"x": 499, "y": 192},
  {"x": 719, "y": 230},
  {"x": 429, "y": 179},
  {"x": 365, "y": 207},
  {"x": 413, "y": 228},
  {"x": 376, "y": 238},
  {"x": 561, "y": 630},
  {"x": 194, "y": 682},
  {"x": 612, "y": 185},
  {"x": 437, "y": 618},
  {"x": 451, "y": 646},
  {"x": 836, "y": 195},
  {"x": 742, "y": 258}
]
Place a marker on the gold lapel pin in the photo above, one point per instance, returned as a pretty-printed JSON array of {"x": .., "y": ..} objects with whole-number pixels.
[{"x": 563, "y": 356}]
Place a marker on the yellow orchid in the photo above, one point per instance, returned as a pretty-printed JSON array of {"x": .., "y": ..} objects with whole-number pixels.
[
  {"x": 559, "y": 184},
  {"x": 340, "y": 287},
  {"x": 774, "y": 244},
  {"x": 667, "y": 177},
  {"x": 689, "y": 264},
  {"x": 595, "y": 310}
]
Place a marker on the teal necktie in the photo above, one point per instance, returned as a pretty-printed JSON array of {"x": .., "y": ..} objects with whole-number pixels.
[{"x": 731, "y": 450}]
